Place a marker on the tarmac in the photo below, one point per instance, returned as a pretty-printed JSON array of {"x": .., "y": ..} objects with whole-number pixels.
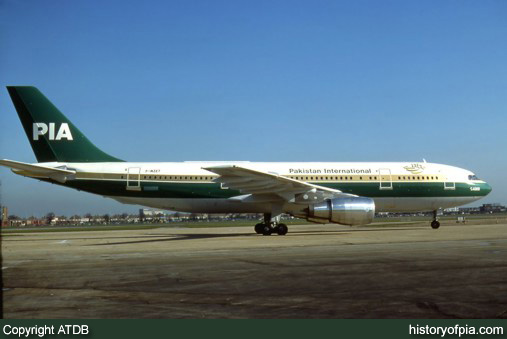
[{"x": 315, "y": 271}]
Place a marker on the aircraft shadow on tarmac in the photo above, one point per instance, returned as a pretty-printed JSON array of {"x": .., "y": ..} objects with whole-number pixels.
[
  {"x": 172, "y": 237},
  {"x": 175, "y": 237}
]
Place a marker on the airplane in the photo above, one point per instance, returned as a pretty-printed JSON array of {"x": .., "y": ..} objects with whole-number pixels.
[{"x": 320, "y": 192}]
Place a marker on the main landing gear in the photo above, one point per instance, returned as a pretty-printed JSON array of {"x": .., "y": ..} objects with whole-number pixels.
[
  {"x": 270, "y": 226},
  {"x": 435, "y": 223}
]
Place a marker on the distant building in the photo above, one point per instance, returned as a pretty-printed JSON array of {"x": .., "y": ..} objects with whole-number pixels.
[
  {"x": 493, "y": 208},
  {"x": 146, "y": 214},
  {"x": 469, "y": 210},
  {"x": 150, "y": 212},
  {"x": 485, "y": 208}
]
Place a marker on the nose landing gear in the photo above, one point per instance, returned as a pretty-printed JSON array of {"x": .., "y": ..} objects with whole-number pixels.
[{"x": 435, "y": 223}]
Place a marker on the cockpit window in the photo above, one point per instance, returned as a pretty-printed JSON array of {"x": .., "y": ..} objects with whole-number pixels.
[{"x": 473, "y": 177}]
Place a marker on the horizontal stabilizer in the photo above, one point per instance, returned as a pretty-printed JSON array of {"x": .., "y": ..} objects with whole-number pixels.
[{"x": 31, "y": 170}]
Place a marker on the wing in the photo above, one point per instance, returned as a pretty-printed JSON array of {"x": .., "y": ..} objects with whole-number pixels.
[
  {"x": 254, "y": 182},
  {"x": 38, "y": 171}
]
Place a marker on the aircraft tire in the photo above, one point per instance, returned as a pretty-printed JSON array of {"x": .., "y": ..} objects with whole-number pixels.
[
  {"x": 282, "y": 229},
  {"x": 267, "y": 230},
  {"x": 258, "y": 228},
  {"x": 435, "y": 224}
]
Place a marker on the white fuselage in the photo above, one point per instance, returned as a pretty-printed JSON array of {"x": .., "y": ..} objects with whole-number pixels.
[{"x": 394, "y": 186}]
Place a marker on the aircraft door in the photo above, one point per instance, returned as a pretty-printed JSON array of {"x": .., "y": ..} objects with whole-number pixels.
[
  {"x": 134, "y": 179},
  {"x": 386, "y": 180}
]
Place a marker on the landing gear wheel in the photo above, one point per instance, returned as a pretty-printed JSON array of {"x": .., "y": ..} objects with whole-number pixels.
[
  {"x": 259, "y": 228},
  {"x": 282, "y": 229},
  {"x": 267, "y": 230},
  {"x": 435, "y": 224}
]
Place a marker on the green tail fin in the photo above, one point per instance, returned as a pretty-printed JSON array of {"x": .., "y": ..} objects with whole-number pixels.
[{"x": 52, "y": 136}]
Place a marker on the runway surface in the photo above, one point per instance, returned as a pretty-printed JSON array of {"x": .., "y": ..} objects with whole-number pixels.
[{"x": 328, "y": 271}]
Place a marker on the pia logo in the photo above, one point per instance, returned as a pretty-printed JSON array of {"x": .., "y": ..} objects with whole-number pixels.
[
  {"x": 41, "y": 128},
  {"x": 415, "y": 168}
]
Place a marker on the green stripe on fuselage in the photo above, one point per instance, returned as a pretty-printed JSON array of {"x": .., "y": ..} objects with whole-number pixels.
[{"x": 182, "y": 190}]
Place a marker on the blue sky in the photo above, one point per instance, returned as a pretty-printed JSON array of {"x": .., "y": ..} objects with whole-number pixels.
[{"x": 259, "y": 81}]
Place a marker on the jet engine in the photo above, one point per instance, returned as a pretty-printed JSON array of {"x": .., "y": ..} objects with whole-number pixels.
[{"x": 345, "y": 211}]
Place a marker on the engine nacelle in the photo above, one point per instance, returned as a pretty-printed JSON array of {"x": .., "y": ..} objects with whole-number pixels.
[{"x": 345, "y": 211}]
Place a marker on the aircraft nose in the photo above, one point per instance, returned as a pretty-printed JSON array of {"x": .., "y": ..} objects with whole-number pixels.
[{"x": 486, "y": 188}]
